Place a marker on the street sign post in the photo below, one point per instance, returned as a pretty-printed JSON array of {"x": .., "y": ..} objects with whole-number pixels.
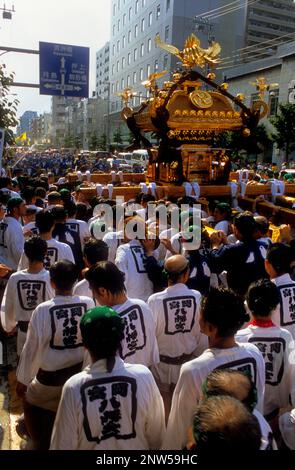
[
  {"x": 64, "y": 70},
  {"x": 2, "y": 135}
]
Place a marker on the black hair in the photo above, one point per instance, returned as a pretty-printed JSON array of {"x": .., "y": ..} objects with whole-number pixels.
[
  {"x": 147, "y": 198},
  {"x": 246, "y": 225},
  {"x": 40, "y": 192},
  {"x": 103, "y": 337},
  {"x": 280, "y": 257},
  {"x": 64, "y": 274},
  {"x": 35, "y": 249},
  {"x": 263, "y": 296},
  {"x": 82, "y": 212},
  {"x": 28, "y": 193},
  {"x": 224, "y": 424},
  {"x": 224, "y": 309},
  {"x": 262, "y": 224},
  {"x": 59, "y": 213},
  {"x": 71, "y": 208},
  {"x": 44, "y": 221},
  {"x": 95, "y": 251},
  {"x": 106, "y": 274},
  {"x": 53, "y": 197}
]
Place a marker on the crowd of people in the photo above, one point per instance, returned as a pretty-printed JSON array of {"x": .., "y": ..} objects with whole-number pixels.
[{"x": 146, "y": 342}]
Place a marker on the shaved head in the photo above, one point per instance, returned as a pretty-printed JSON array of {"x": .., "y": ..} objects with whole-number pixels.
[{"x": 176, "y": 264}]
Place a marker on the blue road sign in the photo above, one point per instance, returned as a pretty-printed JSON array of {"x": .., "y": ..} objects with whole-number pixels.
[{"x": 64, "y": 70}]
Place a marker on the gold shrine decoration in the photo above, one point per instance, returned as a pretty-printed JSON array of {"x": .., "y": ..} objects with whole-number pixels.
[
  {"x": 151, "y": 81},
  {"x": 126, "y": 95},
  {"x": 192, "y": 54},
  {"x": 262, "y": 86},
  {"x": 201, "y": 99}
]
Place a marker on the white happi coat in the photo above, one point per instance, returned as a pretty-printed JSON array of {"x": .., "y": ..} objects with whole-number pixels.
[
  {"x": 113, "y": 240},
  {"x": 11, "y": 242},
  {"x": 23, "y": 293},
  {"x": 192, "y": 374},
  {"x": 139, "y": 345},
  {"x": 80, "y": 227},
  {"x": 83, "y": 288},
  {"x": 277, "y": 348},
  {"x": 287, "y": 428},
  {"x": 176, "y": 313},
  {"x": 118, "y": 410},
  {"x": 56, "y": 251},
  {"x": 53, "y": 342},
  {"x": 267, "y": 440},
  {"x": 130, "y": 259},
  {"x": 285, "y": 317}
]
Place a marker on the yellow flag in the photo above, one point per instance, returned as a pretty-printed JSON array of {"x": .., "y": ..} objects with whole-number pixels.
[{"x": 22, "y": 137}]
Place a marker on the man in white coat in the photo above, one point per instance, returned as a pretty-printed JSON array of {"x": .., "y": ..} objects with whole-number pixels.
[
  {"x": 139, "y": 345},
  {"x": 110, "y": 405},
  {"x": 222, "y": 314},
  {"x": 53, "y": 352},
  {"x": 176, "y": 312}
]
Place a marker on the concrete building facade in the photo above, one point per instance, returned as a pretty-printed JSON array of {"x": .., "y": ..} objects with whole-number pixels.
[{"x": 103, "y": 71}]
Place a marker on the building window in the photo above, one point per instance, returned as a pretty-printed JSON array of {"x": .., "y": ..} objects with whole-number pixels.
[
  {"x": 142, "y": 50},
  {"x": 134, "y": 77},
  {"x": 129, "y": 36},
  {"x": 128, "y": 58},
  {"x": 150, "y": 18},
  {"x": 158, "y": 12},
  {"x": 130, "y": 13},
  {"x": 118, "y": 5},
  {"x": 113, "y": 88},
  {"x": 124, "y": 19},
  {"x": 156, "y": 65},
  {"x": 124, "y": 41},
  {"x": 135, "y": 54},
  {"x": 143, "y": 3},
  {"x": 136, "y": 6},
  {"x": 142, "y": 25},
  {"x": 122, "y": 84},
  {"x": 123, "y": 62},
  {"x": 166, "y": 33},
  {"x": 167, "y": 5},
  {"x": 141, "y": 74},
  {"x": 118, "y": 25},
  {"x": 136, "y": 30},
  {"x": 118, "y": 65},
  {"x": 113, "y": 69},
  {"x": 148, "y": 70},
  {"x": 273, "y": 102},
  {"x": 128, "y": 80},
  {"x": 114, "y": 30},
  {"x": 117, "y": 86},
  {"x": 165, "y": 62},
  {"x": 149, "y": 47},
  {"x": 118, "y": 46},
  {"x": 114, "y": 9}
]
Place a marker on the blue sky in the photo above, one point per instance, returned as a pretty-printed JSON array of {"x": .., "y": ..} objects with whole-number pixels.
[{"x": 77, "y": 22}]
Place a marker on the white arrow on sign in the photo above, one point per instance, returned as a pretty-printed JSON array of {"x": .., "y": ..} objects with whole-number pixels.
[{"x": 60, "y": 87}]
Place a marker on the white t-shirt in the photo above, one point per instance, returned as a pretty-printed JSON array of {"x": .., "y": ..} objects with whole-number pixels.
[
  {"x": 23, "y": 293},
  {"x": 285, "y": 317},
  {"x": 11, "y": 242},
  {"x": 113, "y": 240},
  {"x": 130, "y": 259},
  {"x": 56, "y": 251},
  {"x": 118, "y": 410},
  {"x": 176, "y": 312},
  {"x": 30, "y": 227},
  {"x": 193, "y": 373},
  {"x": 277, "y": 348},
  {"x": 54, "y": 339}
]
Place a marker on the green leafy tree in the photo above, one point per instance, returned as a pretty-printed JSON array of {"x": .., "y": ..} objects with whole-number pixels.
[
  {"x": 8, "y": 105},
  {"x": 77, "y": 142},
  {"x": 102, "y": 142},
  {"x": 283, "y": 122},
  {"x": 118, "y": 136},
  {"x": 69, "y": 141},
  {"x": 94, "y": 142}
]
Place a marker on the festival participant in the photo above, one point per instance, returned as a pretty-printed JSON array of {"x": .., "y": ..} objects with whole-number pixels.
[
  {"x": 56, "y": 251},
  {"x": 75, "y": 225},
  {"x": 139, "y": 345},
  {"x": 244, "y": 261},
  {"x": 29, "y": 220},
  {"x": 11, "y": 234},
  {"x": 54, "y": 199},
  {"x": 275, "y": 344},
  {"x": 110, "y": 405},
  {"x": 237, "y": 384},
  {"x": 222, "y": 214},
  {"x": 131, "y": 260},
  {"x": 222, "y": 315},
  {"x": 277, "y": 265},
  {"x": 53, "y": 352},
  {"x": 176, "y": 313},
  {"x": 25, "y": 290},
  {"x": 262, "y": 230},
  {"x": 94, "y": 252},
  {"x": 223, "y": 424}
]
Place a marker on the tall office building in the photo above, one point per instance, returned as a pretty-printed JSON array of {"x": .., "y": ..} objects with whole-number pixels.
[
  {"x": 102, "y": 71},
  {"x": 25, "y": 121}
]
